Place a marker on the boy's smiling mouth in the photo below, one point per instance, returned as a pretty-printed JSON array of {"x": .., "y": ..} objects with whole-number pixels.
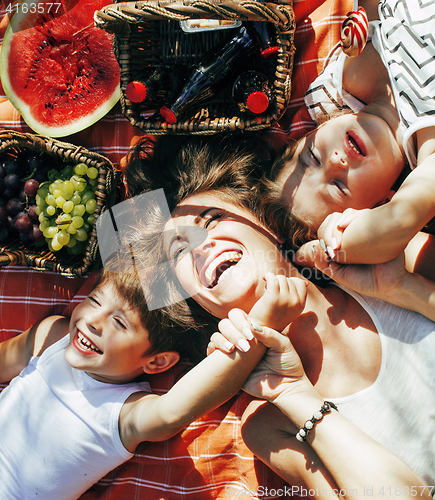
[
  {"x": 219, "y": 265},
  {"x": 86, "y": 344}
]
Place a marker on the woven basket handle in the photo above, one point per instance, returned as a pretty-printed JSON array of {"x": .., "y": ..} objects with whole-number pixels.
[
  {"x": 116, "y": 18},
  {"x": 13, "y": 258}
]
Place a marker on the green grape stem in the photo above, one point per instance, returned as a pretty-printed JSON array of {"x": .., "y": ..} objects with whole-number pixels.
[{"x": 24, "y": 179}]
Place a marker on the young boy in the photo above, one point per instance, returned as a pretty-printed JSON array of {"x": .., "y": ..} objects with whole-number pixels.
[
  {"x": 353, "y": 161},
  {"x": 77, "y": 409}
]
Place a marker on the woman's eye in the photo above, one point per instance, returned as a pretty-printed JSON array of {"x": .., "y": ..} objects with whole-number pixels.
[
  {"x": 179, "y": 252},
  {"x": 213, "y": 218}
]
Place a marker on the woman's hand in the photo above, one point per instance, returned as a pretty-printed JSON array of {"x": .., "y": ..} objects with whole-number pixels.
[
  {"x": 229, "y": 336},
  {"x": 376, "y": 280},
  {"x": 278, "y": 371},
  {"x": 390, "y": 281},
  {"x": 282, "y": 302}
]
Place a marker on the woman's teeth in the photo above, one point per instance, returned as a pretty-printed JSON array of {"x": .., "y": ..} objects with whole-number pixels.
[
  {"x": 86, "y": 343},
  {"x": 219, "y": 265}
]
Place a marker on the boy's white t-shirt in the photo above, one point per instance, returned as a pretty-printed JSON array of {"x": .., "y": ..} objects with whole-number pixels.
[
  {"x": 59, "y": 429},
  {"x": 51, "y": 401}
]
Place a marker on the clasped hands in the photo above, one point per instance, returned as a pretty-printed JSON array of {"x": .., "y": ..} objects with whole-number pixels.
[{"x": 280, "y": 371}]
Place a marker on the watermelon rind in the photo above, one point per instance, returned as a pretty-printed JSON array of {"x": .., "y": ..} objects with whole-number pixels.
[{"x": 75, "y": 124}]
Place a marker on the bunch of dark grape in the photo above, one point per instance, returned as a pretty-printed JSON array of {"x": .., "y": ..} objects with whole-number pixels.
[
  {"x": 46, "y": 202},
  {"x": 20, "y": 176}
]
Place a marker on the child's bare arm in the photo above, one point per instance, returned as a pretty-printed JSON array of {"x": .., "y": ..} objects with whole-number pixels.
[
  {"x": 203, "y": 388},
  {"x": 221, "y": 375},
  {"x": 381, "y": 234},
  {"x": 15, "y": 353},
  {"x": 282, "y": 302}
]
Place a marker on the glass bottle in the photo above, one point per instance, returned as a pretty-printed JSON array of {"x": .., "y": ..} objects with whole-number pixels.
[
  {"x": 158, "y": 86},
  {"x": 211, "y": 74},
  {"x": 252, "y": 92},
  {"x": 266, "y": 35}
]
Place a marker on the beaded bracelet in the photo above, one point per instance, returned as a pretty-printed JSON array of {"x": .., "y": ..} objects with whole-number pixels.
[{"x": 309, "y": 424}]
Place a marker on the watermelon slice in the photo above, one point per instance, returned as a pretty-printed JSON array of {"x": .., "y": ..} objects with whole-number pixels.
[{"x": 57, "y": 69}]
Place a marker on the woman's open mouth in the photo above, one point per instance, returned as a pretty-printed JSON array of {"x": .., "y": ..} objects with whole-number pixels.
[
  {"x": 85, "y": 344},
  {"x": 219, "y": 266}
]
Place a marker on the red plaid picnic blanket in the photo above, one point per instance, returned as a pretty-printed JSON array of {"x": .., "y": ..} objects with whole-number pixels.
[{"x": 208, "y": 459}]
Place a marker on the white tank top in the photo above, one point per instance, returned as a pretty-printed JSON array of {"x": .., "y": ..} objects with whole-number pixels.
[{"x": 398, "y": 409}]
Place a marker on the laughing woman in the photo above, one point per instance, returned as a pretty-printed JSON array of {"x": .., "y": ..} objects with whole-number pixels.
[{"x": 371, "y": 360}]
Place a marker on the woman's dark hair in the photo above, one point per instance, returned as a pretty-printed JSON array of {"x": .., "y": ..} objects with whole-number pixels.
[
  {"x": 183, "y": 166},
  {"x": 230, "y": 166}
]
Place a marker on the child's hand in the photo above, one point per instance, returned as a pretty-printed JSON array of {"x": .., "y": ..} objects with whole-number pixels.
[
  {"x": 282, "y": 302},
  {"x": 330, "y": 235},
  {"x": 331, "y": 231}
]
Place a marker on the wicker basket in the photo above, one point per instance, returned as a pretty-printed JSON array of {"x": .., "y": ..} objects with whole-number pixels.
[
  {"x": 149, "y": 33},
  {"x": 41, "y": 259}
]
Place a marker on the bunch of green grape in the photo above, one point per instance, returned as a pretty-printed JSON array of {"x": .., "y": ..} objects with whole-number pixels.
[{"x": 65, "y": 206}]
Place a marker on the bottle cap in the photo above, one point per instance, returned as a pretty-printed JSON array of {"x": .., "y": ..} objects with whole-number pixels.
[
  {"x": 269, "y": 52},
  {"x": 168, "y": 115},
  {"x": 136, "y": 91},
  {"x": 257, "y": 102}
]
